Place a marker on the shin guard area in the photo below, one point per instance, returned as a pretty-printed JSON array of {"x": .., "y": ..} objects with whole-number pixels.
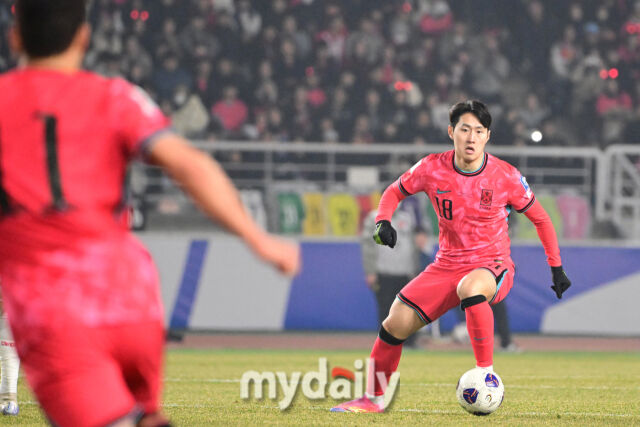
[
  {"x": 480, "y": 326},
  {"x": 385, "y": 356}
]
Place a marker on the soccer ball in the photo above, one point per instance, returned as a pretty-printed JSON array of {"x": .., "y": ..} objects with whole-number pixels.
[{"x": 480, "y": 391}]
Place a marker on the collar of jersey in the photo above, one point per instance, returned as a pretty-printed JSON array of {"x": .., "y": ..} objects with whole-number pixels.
[{"x": 473, "y": 173}]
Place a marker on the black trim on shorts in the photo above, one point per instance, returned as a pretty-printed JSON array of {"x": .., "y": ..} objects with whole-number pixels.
[
  {"x": 499, "y": 278},
  {"x": 415, "y": 307},
  {"x": 403, "y": 190},
  {"x": 523, "y": 210}
]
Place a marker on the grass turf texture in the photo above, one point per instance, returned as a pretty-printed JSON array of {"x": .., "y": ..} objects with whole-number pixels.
[{"x": 565, "y": 388}]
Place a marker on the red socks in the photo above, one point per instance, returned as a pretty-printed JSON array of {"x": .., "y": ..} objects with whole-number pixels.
[
  {"x": 480, "y": 327},
  {"x": 386, "y": 352},
  {"x": 385, "y": 357}
]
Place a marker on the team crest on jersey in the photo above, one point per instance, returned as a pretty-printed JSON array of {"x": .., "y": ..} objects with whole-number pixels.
[{"x": 486, "y": 197}]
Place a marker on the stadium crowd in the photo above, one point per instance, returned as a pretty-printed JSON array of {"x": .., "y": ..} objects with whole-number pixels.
[{"x": 367, "y": 71}]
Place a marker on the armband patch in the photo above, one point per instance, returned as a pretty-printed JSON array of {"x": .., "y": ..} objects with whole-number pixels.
[{"x": 525, "y": 184}]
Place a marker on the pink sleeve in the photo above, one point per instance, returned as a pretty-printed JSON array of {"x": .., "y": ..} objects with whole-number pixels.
[
  {"x": 389, "y": 201},
  {"x": 539, "y": 217},
  {"x": 520, "y": 195},
  {"x": 408, "y": 184},
  {"x": 137, "y": 118}
]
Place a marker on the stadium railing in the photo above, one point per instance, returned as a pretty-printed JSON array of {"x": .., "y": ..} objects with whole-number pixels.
[{"x": 608, "y": 179}]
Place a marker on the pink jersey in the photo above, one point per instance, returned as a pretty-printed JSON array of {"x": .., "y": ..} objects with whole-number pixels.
[
  {"x": 66, "y": 140},
  {"x": 472, "y": 207}
]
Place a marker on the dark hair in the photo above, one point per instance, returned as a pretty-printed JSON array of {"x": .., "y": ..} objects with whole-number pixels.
[
  {"x": 474, "y": 107},
  {"x": 47, "y": 27}
]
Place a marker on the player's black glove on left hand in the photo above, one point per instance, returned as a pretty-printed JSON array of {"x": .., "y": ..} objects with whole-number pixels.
[
  {"x": 385, "y": 234},
  {"x": 560, "y": 281}
]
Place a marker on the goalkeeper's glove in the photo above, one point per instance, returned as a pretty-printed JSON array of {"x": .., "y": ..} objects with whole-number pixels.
[
  {"x": 560, "y": 281},
  {"x": 385, "y": 234}
]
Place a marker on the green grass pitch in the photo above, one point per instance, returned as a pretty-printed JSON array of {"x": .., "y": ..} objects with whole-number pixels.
[{"x": 564, "y": 388}]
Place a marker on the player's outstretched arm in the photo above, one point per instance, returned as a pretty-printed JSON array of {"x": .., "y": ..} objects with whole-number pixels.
[
  {"x": 205, "y": 181},
  {"x": 540, "y": 219},
  {"x": 384, "y": 233}
]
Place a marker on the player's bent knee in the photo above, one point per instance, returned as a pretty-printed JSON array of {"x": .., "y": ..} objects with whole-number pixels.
[
  {"x": 475, "y": 284},
  {"x": 402, "y": 321},
  {"x": 396, "y": 329}
]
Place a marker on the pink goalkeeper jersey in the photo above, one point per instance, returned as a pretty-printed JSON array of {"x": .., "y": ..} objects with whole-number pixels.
[{"x": 472, "y": 207}]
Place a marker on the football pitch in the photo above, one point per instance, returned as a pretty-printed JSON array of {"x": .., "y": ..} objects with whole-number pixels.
[{"x": 202, "y": 387}]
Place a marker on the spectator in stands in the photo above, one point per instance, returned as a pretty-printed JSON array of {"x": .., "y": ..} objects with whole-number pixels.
[
  {"x": 169, "y": 75},
  {"x": 342, "y": 113},
  {"x": 614, "y": 108},
  {"x": 435, "y": 16},
  {"x": 335, "y": 37},
  {"x": 135, "y": 55},
  {"x": 190, "y": 117},
  {"x": 424, "y": 131},
  {"x": 327, "y": 132},
  {"x": 289, "y": 67},
  {"x": 300, "y": 38},
  {"x": 401, "y": 27},
  {"x": 365, "y": 44},
  {"x": 276, "y": 129},
  {"x": 231, "y": 111},
  {"x": 562, "y": 46},
  {"x": 227, "y": 33},
  {"x": 167, "y": 41},
  {"x": 490, "y": 69},
  {"x": 249, "y": 20},
  {"x": 533, "y": 112},
  {"x": 227, "y": 73},
  {"x": 362, "y": 131},
  {"x": 197, "y": 42}
]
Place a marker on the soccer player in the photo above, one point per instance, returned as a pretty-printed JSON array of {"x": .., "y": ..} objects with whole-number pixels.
[
  {"x": 472, "y": 193},
  {"x": 80, "y": 290},
  {"x": 9, "y": 369}
]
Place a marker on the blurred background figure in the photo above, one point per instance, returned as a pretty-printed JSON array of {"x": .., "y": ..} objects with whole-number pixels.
[
  {"x": 386, "y": 270},
  {"x": 9, "y": 368}
]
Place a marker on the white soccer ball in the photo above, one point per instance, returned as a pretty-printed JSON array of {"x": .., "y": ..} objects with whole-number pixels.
[{"x": 480, "y": 391}]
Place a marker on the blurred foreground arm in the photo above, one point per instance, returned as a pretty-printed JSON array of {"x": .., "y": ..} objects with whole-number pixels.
[{"x": 208, "y": 185}]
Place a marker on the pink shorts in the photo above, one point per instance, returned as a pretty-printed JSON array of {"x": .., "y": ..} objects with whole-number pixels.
[
  {"x": 93, "y": 376},
  {"x": 433, "y": 292}
]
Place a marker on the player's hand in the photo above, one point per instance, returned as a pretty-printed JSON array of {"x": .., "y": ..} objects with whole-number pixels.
[
  {"x": 560, "y": 281},
  {"x": 283, "y": 255},
  {"x": 371, "y": 280},
  {"x": 385, "y": 234}
]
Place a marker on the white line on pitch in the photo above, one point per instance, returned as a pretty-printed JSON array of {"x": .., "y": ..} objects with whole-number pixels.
[{"x": 445, "y": 385}]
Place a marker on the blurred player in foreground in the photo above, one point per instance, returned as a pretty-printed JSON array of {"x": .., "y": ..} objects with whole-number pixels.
[
  {"x": 9, "y": 368},
  {"x": 81, "y": 292},
  {"x": 472, "y": 192}
]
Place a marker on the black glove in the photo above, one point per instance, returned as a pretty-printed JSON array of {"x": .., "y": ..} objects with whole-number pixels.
[
  {"x": 385, "y": 234},
  {"x": 560, "y": 281}
]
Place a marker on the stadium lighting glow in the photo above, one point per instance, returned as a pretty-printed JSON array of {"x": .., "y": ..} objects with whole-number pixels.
[{"x": 536, "y": 136}]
